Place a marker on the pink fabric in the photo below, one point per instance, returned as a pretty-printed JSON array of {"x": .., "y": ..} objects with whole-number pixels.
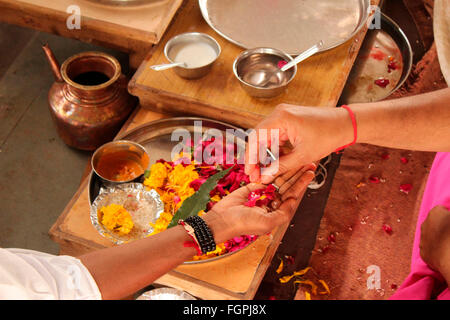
[{"x": 424, "y": 283}]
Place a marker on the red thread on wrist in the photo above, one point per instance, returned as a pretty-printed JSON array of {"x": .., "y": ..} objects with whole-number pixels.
[
  {"x": 355, "y": 129},
  {"x": 193, "y": 243}
]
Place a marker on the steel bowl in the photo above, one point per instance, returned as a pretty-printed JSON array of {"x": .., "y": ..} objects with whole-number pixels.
[
  {"x": 387, "y": 28},
  {"x": 259, "y": 74},
  {"x": 130, "y": 151},
  {"x": 190, "y": 37}
]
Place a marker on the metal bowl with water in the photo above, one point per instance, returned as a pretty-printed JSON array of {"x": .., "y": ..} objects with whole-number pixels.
[{"x": 259, "y": 74}]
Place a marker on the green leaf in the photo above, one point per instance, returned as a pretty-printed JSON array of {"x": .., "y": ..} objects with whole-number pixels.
[
  {"x": 146, "y": 174},
  {"x": 198, "y": 201}
]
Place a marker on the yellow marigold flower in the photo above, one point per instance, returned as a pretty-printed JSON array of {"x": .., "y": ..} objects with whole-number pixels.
[
  {"x": 296, "y": 273},
  {"x": 115, "y": 218},
  {"x": 200, "y": 213},
  {"x": 327, "y": 289},
  {"x": 280, "y": 267},
  {"x": 181, "y": 175},
  {"x": 157, "y": 177}
]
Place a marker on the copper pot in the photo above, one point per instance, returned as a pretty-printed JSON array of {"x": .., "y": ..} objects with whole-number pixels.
[{"x": 89, "y": 100}]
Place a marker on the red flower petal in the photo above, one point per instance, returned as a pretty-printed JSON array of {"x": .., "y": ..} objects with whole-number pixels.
[
  {"x": 324, "y": 249},
  {"x": 374, "y": 179},
  {"x": 331, "y": 238},
  {"x": 405, "y": 188},
  {"x": 385, "y": 156},
  {"x": 392, "y": 66},
  {"x": 387, "y": 228},
  {"x": 382, "y": 82},
  {"x": 404, "y": 160}
]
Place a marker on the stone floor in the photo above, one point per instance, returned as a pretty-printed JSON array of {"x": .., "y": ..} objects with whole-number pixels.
[{"x": 39, "y": 173}]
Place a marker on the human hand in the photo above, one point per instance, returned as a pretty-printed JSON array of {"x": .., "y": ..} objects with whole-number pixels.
[
  {"x": 312, "y": 133},
  {"x": 230, "y": 217},
  {"x": 435, "y": 241}
]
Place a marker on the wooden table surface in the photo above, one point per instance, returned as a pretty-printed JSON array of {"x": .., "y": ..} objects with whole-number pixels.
[
  {"x": 319, "y": 80},
  {"x": 133, "y": 30},
  {"x": 216, "y": 96}
]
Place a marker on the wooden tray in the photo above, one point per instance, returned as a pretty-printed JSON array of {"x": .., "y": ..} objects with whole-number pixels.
[
  {"x": 218, "y": 95},
  {"x": 233, "y": 277},
  {"x": 130, "y": 29}
]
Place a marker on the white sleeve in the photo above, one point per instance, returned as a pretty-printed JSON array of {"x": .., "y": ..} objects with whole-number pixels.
[{"x": 28, "y": 274}]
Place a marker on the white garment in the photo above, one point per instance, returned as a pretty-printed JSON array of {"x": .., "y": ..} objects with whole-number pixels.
[{"x": 28, "y": 274}]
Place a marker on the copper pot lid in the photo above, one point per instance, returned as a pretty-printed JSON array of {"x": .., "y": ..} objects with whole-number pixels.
[{"x": 288, "y": 25}]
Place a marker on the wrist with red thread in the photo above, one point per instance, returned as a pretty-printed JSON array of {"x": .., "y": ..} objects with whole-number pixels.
[{"x": 355, "y": 128}]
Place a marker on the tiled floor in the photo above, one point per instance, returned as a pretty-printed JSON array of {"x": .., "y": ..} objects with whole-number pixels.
[{"x": 38, "y": 172}]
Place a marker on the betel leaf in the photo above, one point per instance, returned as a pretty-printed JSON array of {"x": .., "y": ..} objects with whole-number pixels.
[{"x": 198, "y": 201}]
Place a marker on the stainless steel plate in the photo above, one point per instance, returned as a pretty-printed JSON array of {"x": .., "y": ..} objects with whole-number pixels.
[
  {"x": 388, "y": 41},
  {"x": 165, "y": 294},
  {"x": 288, "y": 25},
  {"x": 155, "y": 137},
  {"x": 144, "y": 205}
]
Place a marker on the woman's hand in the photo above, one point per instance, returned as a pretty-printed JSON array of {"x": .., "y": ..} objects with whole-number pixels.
[
  {"x": 435, "y": 241},
  {"x": 230, "y": 217},
  {"x": 312, "y": 133}
]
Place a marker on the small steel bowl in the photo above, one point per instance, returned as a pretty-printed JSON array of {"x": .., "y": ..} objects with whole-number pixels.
[
  {"x": 189, "y": 37},
  {"x": 129, "y": 150},
  {"x": 259, "y": 74}
]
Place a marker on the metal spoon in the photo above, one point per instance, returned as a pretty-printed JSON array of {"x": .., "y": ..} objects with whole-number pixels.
[
  {"x": 304, "y": 55},
  {"x": 165, "y": 66}
]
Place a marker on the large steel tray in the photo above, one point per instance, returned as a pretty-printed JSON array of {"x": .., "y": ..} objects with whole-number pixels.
[{"x": 289, "y": 25}]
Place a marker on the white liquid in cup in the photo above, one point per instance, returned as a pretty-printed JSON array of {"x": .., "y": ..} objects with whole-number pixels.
[{"x": 193, "y": 54}]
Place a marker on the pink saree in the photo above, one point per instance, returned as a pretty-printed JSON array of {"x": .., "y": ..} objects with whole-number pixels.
[{"x": 424, "y": 283}]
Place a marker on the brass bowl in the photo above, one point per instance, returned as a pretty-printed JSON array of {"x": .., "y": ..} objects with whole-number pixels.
[
  {"x": 258, "y": 72},
  {"x": 127, "y": 150}
]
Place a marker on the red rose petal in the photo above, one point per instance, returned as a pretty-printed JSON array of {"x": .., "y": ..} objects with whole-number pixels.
[
  {"x": 405, "y": 188},
  {"x": 404, "y": 160},
  {"x": 392, "y": 66},
  {"x": 385, "y": 156},
  {"x": 331, "y": 238},
  {"x": 387, "y": 228},
  {"x": 374, "y": 179},
  {"x": 382, "y": 82}
]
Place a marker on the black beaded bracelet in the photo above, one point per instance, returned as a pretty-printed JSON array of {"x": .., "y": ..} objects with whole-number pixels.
[{"x": 203, "y": 233}]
